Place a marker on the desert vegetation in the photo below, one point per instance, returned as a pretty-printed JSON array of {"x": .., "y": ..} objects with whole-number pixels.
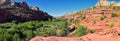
[
  {"x": 82, "y": 30},
  {"x": 103, "y": 17},
  {"x": 25, "y": 31},
  {"x": 115, "y": 14},
  {"x": 13, "y": 31},
  {"x": 112, "y": 25}
]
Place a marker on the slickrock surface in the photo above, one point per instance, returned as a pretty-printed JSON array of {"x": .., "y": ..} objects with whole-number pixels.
[{"x": 100, "y": 35}]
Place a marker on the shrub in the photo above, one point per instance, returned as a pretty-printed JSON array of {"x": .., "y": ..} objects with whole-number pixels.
[
  {"x": 27, "y": 34},
  {"x": 16, "y": 37},
  {"x": 103, "y": 17},
  {"x": 64, "y": 32},
  {"x": 112, "y": 25},
  {"x": 116, "y": 8},
  {"x": 80, "y": 31},
  {"x": 7, "y": 36},
  {"x": 114, "y": 15},
  {"x": 90, "y": 31},
  {"x": 83, "y": 17}
]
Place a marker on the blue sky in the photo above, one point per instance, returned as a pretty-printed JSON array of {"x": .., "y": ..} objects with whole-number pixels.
[{"x": 61, "y": 7}]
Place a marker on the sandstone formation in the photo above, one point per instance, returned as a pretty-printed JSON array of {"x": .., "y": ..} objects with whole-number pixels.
[
  {"x": 20, "y": 12},
  {"x": 107, "y": 3}
]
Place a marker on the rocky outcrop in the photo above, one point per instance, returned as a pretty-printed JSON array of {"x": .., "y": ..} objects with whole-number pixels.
[{"x": 107, "y": 3}]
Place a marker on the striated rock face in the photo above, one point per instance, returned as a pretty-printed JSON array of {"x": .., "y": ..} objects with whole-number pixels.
[{"x": 100, "y": 35}]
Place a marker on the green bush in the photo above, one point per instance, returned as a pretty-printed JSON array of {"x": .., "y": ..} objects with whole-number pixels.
[
  {"x": 112, "y": 25},
  {"x": 64, "y": 32},
  {"x": 16, "y": 37},
  {"x": 115, "y": 15},
  {"x": 103, "y": 17},
  {"x": 80, "y": 31},
  {"x": 27, "y": 34}
]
